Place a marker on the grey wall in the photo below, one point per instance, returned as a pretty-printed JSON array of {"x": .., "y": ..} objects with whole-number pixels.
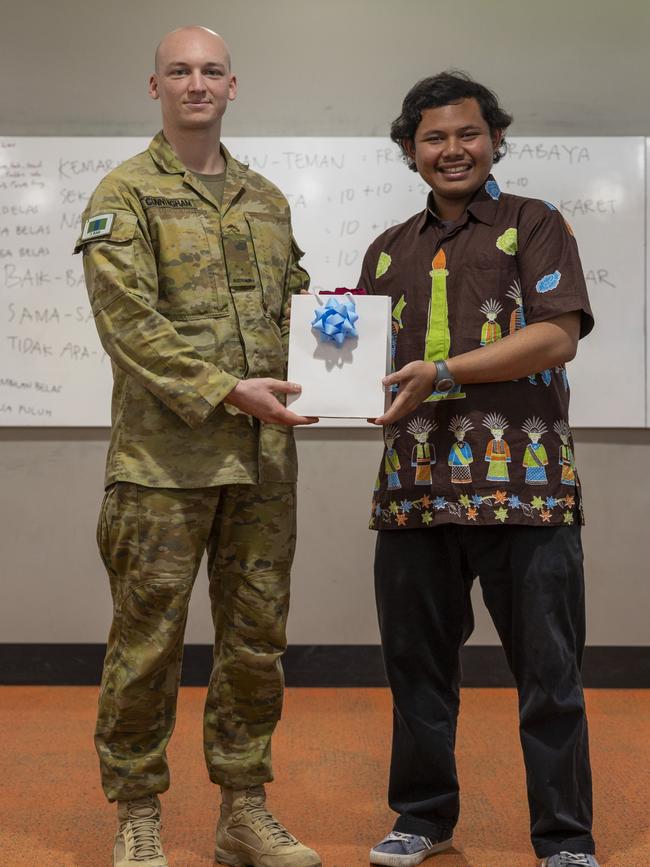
[{"x": 313, "y": 68}]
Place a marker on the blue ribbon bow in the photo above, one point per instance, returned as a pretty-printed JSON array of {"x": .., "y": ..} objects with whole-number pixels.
[{"x": 335, "y": 319}]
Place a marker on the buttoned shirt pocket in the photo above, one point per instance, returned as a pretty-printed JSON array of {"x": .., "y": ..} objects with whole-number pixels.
[
  {"x": 481, "y": 302},
  {"x": 187, "y": 281},
  {"x": 120, "y": 231},
  {"x": 271, "y": 234},
  {"x": 239, "y": 258}
]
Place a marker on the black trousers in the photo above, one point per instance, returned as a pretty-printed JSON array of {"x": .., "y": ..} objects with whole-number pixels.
[{"x": 533, "y": 586}]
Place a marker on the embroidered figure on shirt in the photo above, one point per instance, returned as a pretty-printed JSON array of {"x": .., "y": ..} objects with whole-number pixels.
[
  {"x": 460, "y": 454},
  {"x": 535, "y": 457},
  {"x": 497, "y": 452},
  {"x": 396, "y": 326},
  {"x": 492, "y": 189},
  {"x": 518, "y": 321},
  {"x": 391, "y": 458},
  {"x": 508, "y": 242},
  {"x": 548, "y": 282},
  {"x": 546, "y": 376},
  {"x": 491, "y": 330},
  {"x": 566, "y": 461},
  {"x": 517, "y": 318},
  {"x": 438, "y": 339},
  {"x": 423, "y": 455},
  {"x": 383, "y": 264}
]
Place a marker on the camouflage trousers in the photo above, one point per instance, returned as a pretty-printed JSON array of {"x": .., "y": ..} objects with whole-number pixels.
[{"x": 151, "y": 541}]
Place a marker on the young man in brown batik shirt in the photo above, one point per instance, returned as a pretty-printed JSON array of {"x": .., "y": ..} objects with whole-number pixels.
[{"x": 490, "y": 301}]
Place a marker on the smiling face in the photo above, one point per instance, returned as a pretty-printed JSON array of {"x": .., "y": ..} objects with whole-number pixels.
[
  {"x": 453, "y": 150},
  {"x": 193, "y": 80}
]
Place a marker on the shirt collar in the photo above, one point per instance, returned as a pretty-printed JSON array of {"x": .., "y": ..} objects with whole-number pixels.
[
  {"x": 165, "y": 158},
  {"x": 483, "y": 206}
]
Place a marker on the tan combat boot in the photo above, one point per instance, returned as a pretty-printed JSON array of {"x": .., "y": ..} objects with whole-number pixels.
[
  {"x": 138, "y": 837},
  {"x": 249, "y": 836}
]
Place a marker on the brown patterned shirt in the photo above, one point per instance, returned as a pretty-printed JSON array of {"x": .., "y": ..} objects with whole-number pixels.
[{"x": 490, "y": 453}]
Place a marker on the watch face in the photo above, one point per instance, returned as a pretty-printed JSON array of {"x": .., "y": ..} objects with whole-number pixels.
[{"x": 444, "y": 385}]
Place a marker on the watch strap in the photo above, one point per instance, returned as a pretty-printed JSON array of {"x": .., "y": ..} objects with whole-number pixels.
[{"x": 444, "y": 381}]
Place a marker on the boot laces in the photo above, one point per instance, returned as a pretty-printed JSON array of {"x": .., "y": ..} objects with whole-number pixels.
[
  {"x": 266, "y": 821},
  {"x": 143, "y": 817},
  {"x": 568, "y": 858}
]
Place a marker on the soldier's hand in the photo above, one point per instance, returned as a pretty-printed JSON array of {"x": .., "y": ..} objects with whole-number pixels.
[
  {"x": 415, "y": 382},
  {"x": 257, "y": 397}
]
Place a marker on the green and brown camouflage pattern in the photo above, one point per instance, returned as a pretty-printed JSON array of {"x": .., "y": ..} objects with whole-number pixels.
[
  {"x": 189, "y": 297},
  {"x": 151, "y": 541}
]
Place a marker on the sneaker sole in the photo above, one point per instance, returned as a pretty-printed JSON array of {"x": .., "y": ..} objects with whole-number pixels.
[
  {"x": 409, "y": 860},
  {"x": 231, "y": 859}
]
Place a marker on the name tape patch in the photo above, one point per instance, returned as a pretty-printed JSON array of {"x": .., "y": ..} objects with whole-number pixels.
[
  {"x": 162, "y": 202},
  {"x": 98, "y": 226}
]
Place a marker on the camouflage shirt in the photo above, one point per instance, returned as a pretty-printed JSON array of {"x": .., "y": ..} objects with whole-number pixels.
[{"x": 189, "y": 297}]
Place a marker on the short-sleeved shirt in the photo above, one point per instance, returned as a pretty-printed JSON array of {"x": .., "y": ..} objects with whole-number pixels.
[{"x": 489, "y": 453}]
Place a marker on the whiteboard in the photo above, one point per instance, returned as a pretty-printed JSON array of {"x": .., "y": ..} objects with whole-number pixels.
[
  {"x": 598, "y": 185},
  {"x": 343, "y": 192}
]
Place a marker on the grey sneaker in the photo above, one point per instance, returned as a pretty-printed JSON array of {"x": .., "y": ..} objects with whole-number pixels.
[
  {"x": 137, "y": 843},
  {"x": 570, "y": 859},
  {"x": 406, "y": 850}
]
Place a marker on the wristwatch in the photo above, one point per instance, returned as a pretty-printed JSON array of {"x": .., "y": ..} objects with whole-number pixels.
[{"x": 444, "y": 381}]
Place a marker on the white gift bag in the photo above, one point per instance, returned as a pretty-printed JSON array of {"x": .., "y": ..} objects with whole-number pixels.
[{"x": 340, "y": 381}]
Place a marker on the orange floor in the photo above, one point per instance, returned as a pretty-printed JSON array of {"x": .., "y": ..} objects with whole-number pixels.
[{"x": 331, "y": 753}]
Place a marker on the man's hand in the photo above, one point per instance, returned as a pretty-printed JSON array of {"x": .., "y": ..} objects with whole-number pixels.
[
  {"x": 538, "y": 346},
  {"x": 415, "y": 385},
  {"x": 257, "y": 397}
]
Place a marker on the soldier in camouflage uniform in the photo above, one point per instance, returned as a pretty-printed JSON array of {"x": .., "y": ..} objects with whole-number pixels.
[{"x": 190, "y": 266}]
